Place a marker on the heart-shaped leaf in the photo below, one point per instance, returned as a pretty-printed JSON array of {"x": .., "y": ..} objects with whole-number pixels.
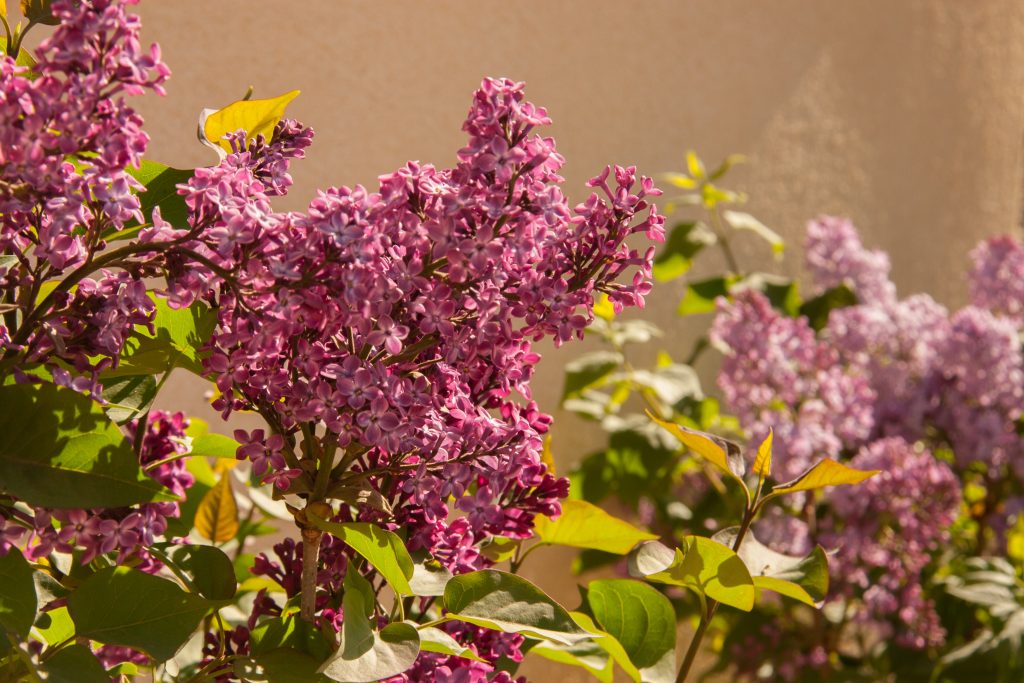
[
  {"x": 255, "y": 117},
  {"x": 217, "y": 514},
  {"x": 702, "y": 565},
  {"x": 641, "y": 620}
]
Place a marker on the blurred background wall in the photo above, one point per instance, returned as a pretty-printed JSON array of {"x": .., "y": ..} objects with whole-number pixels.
[{"x": 906, "y": 116}]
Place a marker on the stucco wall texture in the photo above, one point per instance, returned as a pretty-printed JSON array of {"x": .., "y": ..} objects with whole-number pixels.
[{"x": 906, "y": 116}]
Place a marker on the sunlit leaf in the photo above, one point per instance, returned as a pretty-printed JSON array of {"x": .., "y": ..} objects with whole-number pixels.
[
  {"x": 39, "y": 12},
  {"x": 60, "y": 450},
  {"x": 17, "y": 594},
  {"x": 161, "y": 183},
  {"x": 701, "y": 296},
  {"x": 827, "y": 472},
  {"x": 702, "y": 565},
  {"x": 217, "y": 515},
  {"x": 685, "y": 241},
  {"x": 380, "y": 547},
  {"x": 801, "y": 578},
  {"x": 255, "y": 117},
  {"x": 583, "y": 525},
  {"x": 435, "y": 640},
  {"x": 509, "y": 603},
  {"x": 763, "y": 461},
  {"x": 723, "y": 454},
  {"x": 589, "y": 370},
  {"x": 744, "y": 221}
]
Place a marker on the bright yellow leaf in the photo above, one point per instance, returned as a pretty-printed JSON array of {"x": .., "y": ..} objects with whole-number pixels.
[
  {"x": 695, "y": 166},
  {"x": 547, "y": 457},
  {"x": 217, "y": 514},
  {"x": 255, "y": 117},
  {"x": 604, "y": 308},
  {"x": 828, "y": 472},
  {"x": 763, "y": 461},
  {"x": 706, "y": 447}
]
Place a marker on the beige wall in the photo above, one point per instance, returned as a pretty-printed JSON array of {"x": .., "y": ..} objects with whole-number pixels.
[{"x": 906, "y": 115}]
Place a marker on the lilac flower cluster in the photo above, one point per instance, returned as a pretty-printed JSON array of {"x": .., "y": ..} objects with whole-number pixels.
[
  {"x": 890, "y": 528},
  {"x": 777, "y": 375},
  {"x": 67, "y": 140},
  {"x": 398, "y": 323},
  {"x": 914, "y": 373},
  {"x": 126, "y": 531}
]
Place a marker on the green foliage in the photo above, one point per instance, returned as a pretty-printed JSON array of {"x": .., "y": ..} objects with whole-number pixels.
[
  {"x": 75, "y": 664},
  {"x": 641, "y": 619},
  {"x": 582, "y": 525},
  {"x": 365, "y": 655},
  {"x": 123, "y": 606},
  {"x": 60, "y": 450},
  {"x": 176, "y": 341},
  {"x": 17, "y": 595},
  {"x": 383, "y": 549},
  {"x": 801, "y": 578},
  {"x": 161, "y": 184},
  {"x": 506, "y": 602},
  {"x": 817, "y": 310},
  {"x": 685, "y": 241}
]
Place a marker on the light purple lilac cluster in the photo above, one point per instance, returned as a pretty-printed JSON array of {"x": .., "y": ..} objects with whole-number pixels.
[
  {"x": 67, "y": 141},
  {"x": 913, "y": 373}
]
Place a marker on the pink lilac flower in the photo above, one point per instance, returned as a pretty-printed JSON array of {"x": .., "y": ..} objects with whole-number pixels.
[
  {"x": 835, "y": 256},
  {"x": 997, "y": 277},
  {"x": 886, "y": 531}
]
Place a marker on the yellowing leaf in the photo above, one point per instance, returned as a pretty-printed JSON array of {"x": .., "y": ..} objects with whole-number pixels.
[
  {"x": 702, "y": 565},
  {"x": 828, "y": 472},
  {"x": 763, "y": 461},
  {"x": 721, "y": 453},
  {"x": 255, "y": 117},
  {"x": 547, "y": 457},
  {"x": 217, "y": 514},
  {"x": 695, "y": 166},
  {"x": 604, "y": 308},
  {"x": 680, "y": 180},
  {"x": 583, "y": 525}
]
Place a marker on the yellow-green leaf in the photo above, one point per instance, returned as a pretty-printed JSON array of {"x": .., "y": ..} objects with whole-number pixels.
[
  {"x": 583, "y": 525},
  {"x": 547, "y": 457},
  {"x": 828, "y": 472},
  {"x": 801, "y": 578},
  {"x": 702, "y": 565},
  {"x": 383, "y": 549},
  {"x": 723, "y": 454},
  {"x": 217, "y": 515},
  {"x": 763, "y": 461},
  {"x": 604, "y": 308},
  {"x": 255, "y": 117},
  {"x": 695, "y": 166},
  {"x": 680, "y": 180},
  {"x": 38, "y": 12}
]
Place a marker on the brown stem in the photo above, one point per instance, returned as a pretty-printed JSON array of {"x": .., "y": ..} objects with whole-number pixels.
[{"x": 310, "y": 561}]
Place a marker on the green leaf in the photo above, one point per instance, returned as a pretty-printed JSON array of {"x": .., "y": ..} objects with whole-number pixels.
[
  {"x": 827, "y": 472},
  {"x": 744, "y": 221},
  {"x": 509, "y": 603},
  {"x": 722, "y": 453},
  {"x": 702, "y": 565},
  {"x": 381, "y": 548},
  {"x": 211, "y": 570},
  {"x": 129, "y": 396},
  {"x": 801, "y": 578},
  {"x": 161, "y": 191},
  {"x": 288, "y": 665},
  {"x": 292, "y": 632},
  {"x": 75, "y": 664},
  {"x": 700, "y": 296},
  {"x": 17, "y": 594},
  {"x": 55, "y": 625},
  {"x": 589, "y": 370},
  {"x": 59, "y": 450},
  {"x": 364, "y": 656},
  {"x": 358, "y": 496},
  {"x": 177, "y": 340},
  {"x": 205, "y": 480},
  {"x": 24, "y": 57},
  {"x": 255, "y": 117},
  {"x": 641, "y": 619},
  {"x": 582, "y": 525},
  {"x": 817, "y": 310},
  {"x": 435, "y": 640},
  {"x": 210, "y": 444},
  {"x": 684, "y": 242},
  {"x": 122, "y": 606},
  {"x": 429, "y": 579}
]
